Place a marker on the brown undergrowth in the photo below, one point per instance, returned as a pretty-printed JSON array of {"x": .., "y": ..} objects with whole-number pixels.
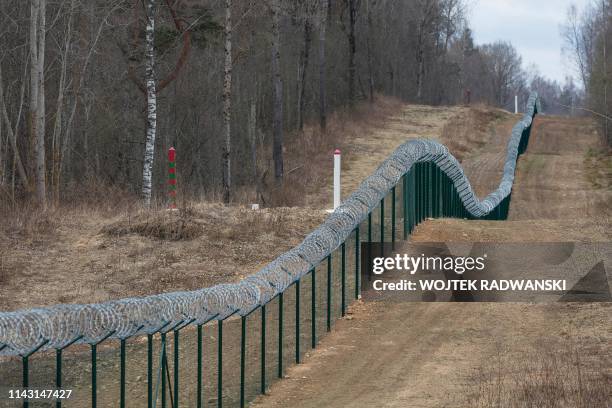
[
  {"x": 308, "y": 155},
  {"x": 569, "y": 377}
]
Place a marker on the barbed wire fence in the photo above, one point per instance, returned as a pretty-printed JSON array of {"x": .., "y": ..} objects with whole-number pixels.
[{"x": 225, "y": 344}]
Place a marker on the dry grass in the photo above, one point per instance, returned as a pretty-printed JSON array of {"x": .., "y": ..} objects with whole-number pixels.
[
  {"x": 570, "y": 377},
  {"x": 463, "y": 134},
  {"x": 73, "y": 255}
]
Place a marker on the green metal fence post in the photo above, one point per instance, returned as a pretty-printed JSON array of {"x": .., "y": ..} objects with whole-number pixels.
[
  {"x": 58, "y": 375},
  {"x": 405, "y": 205},
  {"x": 220, "y": 363},
  {"x": 25, "y": 380},
  {"x": 94, "y": 369},
  {"x": 297, "y": 321},
  {"x": 58, "y": 367},
  {"x": 280, "y": 335},
  {"x": 343, "y": 280},
  {"x": 242, "y": 357},
  {"x": 418, "y": 198},
  {"x": 94, "y": 372},
  {"x": 122, "y": 373},
  {"x": 263, "y": 349},
  {"x": 163, "y": 362},
  {"x": 434, "y": 192},
  {"x": 25, "y": 366},
  {"x": 382, "y": 225},
  {"x": 150, "y": 370},
  {"x": 313, "y": 308},
  {"x": 176, "y": 367},
  {"x": 369, "y": 249},
  {"x": 369, "y": 227},
  {"x": 329, "y": 291},
  {"x": 393, "y": 217},
  {"x": 199, "y": 369},
  {"x": 357, "y": 288},
  {"x": 430, "y": 182}
]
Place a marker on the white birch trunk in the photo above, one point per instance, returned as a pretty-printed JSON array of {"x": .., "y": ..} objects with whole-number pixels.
[
  {"x": 227, "y": 103},
  {"x": 151, "y": 120}
]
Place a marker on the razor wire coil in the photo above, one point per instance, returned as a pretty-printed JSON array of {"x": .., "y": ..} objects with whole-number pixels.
[{"x": 57, "y": 326}]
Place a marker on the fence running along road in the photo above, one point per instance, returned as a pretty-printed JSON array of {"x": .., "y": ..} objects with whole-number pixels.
[{"x": 223, "y": 345}]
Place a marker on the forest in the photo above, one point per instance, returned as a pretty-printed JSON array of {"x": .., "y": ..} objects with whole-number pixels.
[{"x": 93, "y": 92}]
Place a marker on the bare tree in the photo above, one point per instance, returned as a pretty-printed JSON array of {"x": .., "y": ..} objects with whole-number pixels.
[
  {"x": 323, "y": 9},
  {"x": 12, "y": 132},
  {"x": 352, "y": 68},
  {"x": 369, "y": 5},
  {"x": 577, "y": 44},
  {"x": 504, "y": 66},
  {"x": 56, "y": 144},
  {"x": 38, "y": 11},
  {"x": 305, "y": 12},
  {"x": 277, "y": 120},
  {"x": 427, "y": 14},
  {"x": 227, "y": 103}
]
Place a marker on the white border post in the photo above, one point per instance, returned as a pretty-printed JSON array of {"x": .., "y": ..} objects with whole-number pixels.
[
  {"x": 515, "y": 103},
  {"x": 336, "y": 178}
]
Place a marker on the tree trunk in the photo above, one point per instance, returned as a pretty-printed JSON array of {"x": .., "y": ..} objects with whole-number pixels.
[
  {"x": 253, "y": 142},
  {"x": 277, "y": 151},
  {"x": 369, "y": 56},
  {"x": 37, "y": 95},
  {"x": 151, "y": 120},
  {"x": 305, "y": 57},
  {"x": 322, "y": 66},
  {"x": 59, "y": 110},
  {"x": 420, "y": 73},
  {"x": 227, "y": 102},
  {"x": 352, "y": 46},
  {"x": 605, "y": 69},
  {"x": 12, "y": 133}
]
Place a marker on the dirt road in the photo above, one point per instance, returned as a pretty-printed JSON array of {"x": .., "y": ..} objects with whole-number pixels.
[{"x": 402, "y": 354}]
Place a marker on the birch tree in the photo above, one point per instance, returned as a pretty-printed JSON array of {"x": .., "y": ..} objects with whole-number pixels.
[
  {"x": 151, "y": 121},
  {"x": 227, "y": 103},
  {"x": 38, "y": 10}
]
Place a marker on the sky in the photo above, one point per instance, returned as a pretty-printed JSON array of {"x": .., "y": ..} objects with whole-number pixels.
[{"x": 532, "y": 26}]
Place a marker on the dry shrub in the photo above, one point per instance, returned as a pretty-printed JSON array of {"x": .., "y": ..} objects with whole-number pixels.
[
  {"x": 245, "y": 224},
  {"x": 29, "y": 222},
  {"x": 165, "y": 224},
  {"x": 547, "y": 379}
]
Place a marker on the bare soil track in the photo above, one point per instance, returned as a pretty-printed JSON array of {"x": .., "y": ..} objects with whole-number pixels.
[{"x": 402, "y": 354}]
